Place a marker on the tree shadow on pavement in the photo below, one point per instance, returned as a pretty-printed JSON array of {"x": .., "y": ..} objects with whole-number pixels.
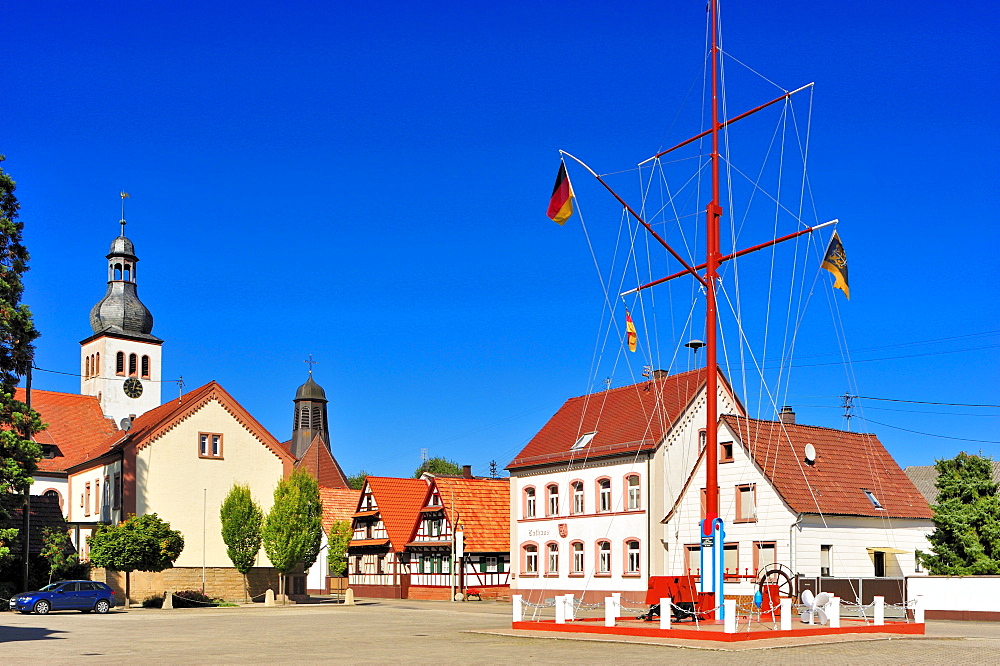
[{"x": 10, "y": 634}]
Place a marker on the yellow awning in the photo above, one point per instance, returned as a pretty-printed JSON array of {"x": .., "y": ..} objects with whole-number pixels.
[{"x": 886, "y": 549}]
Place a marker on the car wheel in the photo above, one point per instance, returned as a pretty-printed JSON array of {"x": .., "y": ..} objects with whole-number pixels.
[
  {"x": 42, "y": 607},
  {"x": 102, "y": 606}
]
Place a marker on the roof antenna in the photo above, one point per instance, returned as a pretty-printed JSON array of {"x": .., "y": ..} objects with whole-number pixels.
[
  {"x": 124, "y": 196},
  {"x": 180, "y": 388},
  {"x": 647, "y": 371},
  {"x": 847, "y": 402},
  {"x": 607, "y": 383}
]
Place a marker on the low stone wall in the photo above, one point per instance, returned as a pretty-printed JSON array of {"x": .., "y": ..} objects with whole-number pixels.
[{"x": 220, "y": 582}]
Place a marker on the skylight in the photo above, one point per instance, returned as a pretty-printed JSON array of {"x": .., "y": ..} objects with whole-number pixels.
[
  {"x": 871, "y": 498},
  {"x": 583, "y": 441}
]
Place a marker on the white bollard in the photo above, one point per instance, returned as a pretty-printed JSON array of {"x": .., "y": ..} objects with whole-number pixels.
[
  {"x": 786, "y": 614},
  {"x": 560, "y": 609},
  {"x": 918, "y": 609},
  {"x": 168, "y": 600},
  {"x": 570, "y": 608},
  {"x": 879, "y": 611},
  {"x": 618, "y": 603},
  {"x": 349, "y": 596},
  {"x": 609, "y": 612},
  {"x": 729, "y": 622},
  {"x": 269, "y": 597},
  {"x": 833, "y": 612},
  {"x": 665, "y": 613},
  {"x": 518, "y": 610}
]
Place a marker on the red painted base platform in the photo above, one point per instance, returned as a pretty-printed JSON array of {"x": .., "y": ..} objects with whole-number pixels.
[{"x": 713, "y": 630}]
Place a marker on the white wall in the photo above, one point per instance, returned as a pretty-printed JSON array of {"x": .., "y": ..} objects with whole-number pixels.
[
  {"x": 100, "y": 491},
  {"x": 959, "y": 593},
  {"x": 110, "y": 387}
]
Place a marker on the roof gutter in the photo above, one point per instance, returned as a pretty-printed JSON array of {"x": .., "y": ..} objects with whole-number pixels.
[{"x": 793, "y": 551}]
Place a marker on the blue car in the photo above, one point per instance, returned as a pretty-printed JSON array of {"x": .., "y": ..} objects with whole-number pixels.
[{"x": 81, "y": 595}]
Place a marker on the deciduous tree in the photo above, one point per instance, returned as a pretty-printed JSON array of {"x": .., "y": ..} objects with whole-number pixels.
[
  {"x": 58, "y": 551},
  {"x": 357, "y": 482},
  {"x": 293, "y": 528},
  {"x": 966, "y": 539},
  {"x": 440, "y": 466},
  {"x": 241, "y": 529},
  {"x": 140, "y": 543},
  {"x": 336, "y": 547}
]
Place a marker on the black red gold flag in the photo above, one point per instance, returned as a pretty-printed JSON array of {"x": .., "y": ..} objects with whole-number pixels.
[
  {"x": 835, "y": 261},
  {"x": 561, "y": 203}
]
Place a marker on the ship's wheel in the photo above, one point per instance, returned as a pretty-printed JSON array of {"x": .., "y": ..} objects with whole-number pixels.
[{"x": 780, "y": 575}]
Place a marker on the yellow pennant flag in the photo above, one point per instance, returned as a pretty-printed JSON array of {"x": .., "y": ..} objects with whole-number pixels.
[
  {"x": 630, "y": 333},
  {"x": 835, "y": 261}
]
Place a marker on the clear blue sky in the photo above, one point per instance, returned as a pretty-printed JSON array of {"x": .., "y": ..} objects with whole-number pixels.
[{"x": 368, "y": 185}]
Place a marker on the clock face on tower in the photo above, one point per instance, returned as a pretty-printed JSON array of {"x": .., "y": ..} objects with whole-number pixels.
[{"x": 132, "y": 387}]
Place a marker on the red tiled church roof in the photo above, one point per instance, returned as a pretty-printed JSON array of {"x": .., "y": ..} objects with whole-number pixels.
[
  {"x": 626, "y": 419},
  {"x": 76, "y": 427},
  {"x": 319, "y": 462},
  {"x": 399, "y": 502},
  {"x": 338, "y": 504},
  {"x": 482, "y": 507},
  {"x": 847, "y": 463}
]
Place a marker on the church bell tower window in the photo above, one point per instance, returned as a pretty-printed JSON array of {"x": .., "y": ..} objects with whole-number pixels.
[
  {"x": 120, "y": 364},
  {"x": 133, "y": 365},
  {"x": 145, "y": 367}
]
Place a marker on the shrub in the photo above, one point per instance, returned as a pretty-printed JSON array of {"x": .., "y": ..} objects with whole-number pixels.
[
  {"x": 155, "y": 601},
  {"x": 192, "y": 599}
]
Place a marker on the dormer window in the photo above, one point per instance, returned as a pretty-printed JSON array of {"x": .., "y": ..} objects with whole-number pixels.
[
  {"x": 871, "y": 498},
  {"x": 583, "y": 441}
]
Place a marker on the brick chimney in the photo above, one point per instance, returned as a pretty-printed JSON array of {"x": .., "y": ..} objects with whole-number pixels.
[
  {"x": 786, "y": 415},
  {"x": 466, "y": 471}
]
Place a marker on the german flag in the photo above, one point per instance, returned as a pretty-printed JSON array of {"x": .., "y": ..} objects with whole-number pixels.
[
  {"x": 630, "y": 332},
  {"x": 835, "y": 261},
  {"x": 561, "y": 203}
]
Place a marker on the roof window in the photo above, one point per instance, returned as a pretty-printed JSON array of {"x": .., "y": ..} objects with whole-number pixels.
[
  {"x": 871, "y": 498},
  {"x": 583, "y": 441}
]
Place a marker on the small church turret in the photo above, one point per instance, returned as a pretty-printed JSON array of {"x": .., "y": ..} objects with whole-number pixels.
[{"x": 310, "y": 417}]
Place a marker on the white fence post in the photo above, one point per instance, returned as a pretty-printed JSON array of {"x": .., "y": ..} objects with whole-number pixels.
[
  {"x": 785, "y": 606},
  {"x": 609, "y": 612},
  {"x": 560, "y": 609},
  {"x": 618, "y": 603},
  {"x": 515, "y": 602},
  {"x": 729, "y": 623},
  {"x": 570, "y": 608},
  {"x": 665, "y": 613},
  {"x": 879, "y": 611},
  {"x": 918, "y": 609},
  {"x": 834, "y": 612}
]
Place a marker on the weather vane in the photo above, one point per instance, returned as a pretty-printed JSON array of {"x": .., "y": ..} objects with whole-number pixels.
[{"x": 124, "y": 196}]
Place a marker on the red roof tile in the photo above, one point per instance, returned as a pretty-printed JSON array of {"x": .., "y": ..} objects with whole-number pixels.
[
  {"x": 626, "y": 419},
  {"x": 338, "y": 504},
  {"x": 399, "y": 502},
  {"x": 847, "y": 464},
  {"x": 482, "y": 507},
  {"x": 319, "y": 462},
  {"x": 76, "y": 427}
]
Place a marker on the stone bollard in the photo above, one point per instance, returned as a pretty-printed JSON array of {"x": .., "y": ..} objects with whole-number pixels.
[
  {"x": 833, "y": 612},
  {"x": 879, "y": 611},
  {"x": 918, "y": 609},
  {"x": 609, "y": 612},
  {"x": 518, "y": 611},
  {"x": 785, "y": 606},
  {"x": 349, "y": 596},
  {"x": 729, "y": 621},
  {"x": 168, "y": 600},
  {"x": 570, "y": 608},
  {"x": 560, "y": 609},
  {"x": 269, "y": 597},
  {"x": 618, "y": 603},
  {"x": 665, "y": 613}
]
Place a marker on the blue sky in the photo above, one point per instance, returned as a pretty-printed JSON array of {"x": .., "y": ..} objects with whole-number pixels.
[{"x": 368, "y": 185}]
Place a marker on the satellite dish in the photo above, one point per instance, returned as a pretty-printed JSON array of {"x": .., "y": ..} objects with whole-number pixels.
[
  {"x": 126, "y": 424},
  {"x": 810, "y": 454}
]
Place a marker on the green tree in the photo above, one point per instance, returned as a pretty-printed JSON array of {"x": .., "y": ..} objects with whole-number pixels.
[
  {"x": 966, "y": 538},
  {"x": 19, "y": 456},
  {"x": 441, "y": 466},
  {"x": 241, "y": 530},
  {"x": 293, "y": 528},
  {"x": 357, "y": 482},
  {"x": 58, "y": 551},
  {"x": 140, "y": 543},
  {"x": 336, "y": 547}
]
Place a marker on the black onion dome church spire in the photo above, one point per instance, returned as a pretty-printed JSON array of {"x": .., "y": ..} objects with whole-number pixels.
[
  {"x": 310, "y": 416},
  {"x": 121, "y": 312}
]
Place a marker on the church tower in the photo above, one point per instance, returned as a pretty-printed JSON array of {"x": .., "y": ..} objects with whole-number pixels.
[
  {"x": 120, "y": 362},
  {"x": 310, "y": 417}
]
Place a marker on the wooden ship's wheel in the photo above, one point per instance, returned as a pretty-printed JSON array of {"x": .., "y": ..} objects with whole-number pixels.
[{"x": 778, "y": 575}]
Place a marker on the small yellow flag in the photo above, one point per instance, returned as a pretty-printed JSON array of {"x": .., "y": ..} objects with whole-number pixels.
[{"x": 124, "y": 195}]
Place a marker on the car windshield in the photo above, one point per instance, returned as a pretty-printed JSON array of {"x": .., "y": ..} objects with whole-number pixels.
[{"x": 50, "y": 587}]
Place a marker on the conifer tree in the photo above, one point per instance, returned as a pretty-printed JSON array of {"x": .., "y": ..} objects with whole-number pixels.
[
  {"x": 241, "y": 519},
  {"x": 19, "y": 455},
  {"x": 966, "y": 539}
]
